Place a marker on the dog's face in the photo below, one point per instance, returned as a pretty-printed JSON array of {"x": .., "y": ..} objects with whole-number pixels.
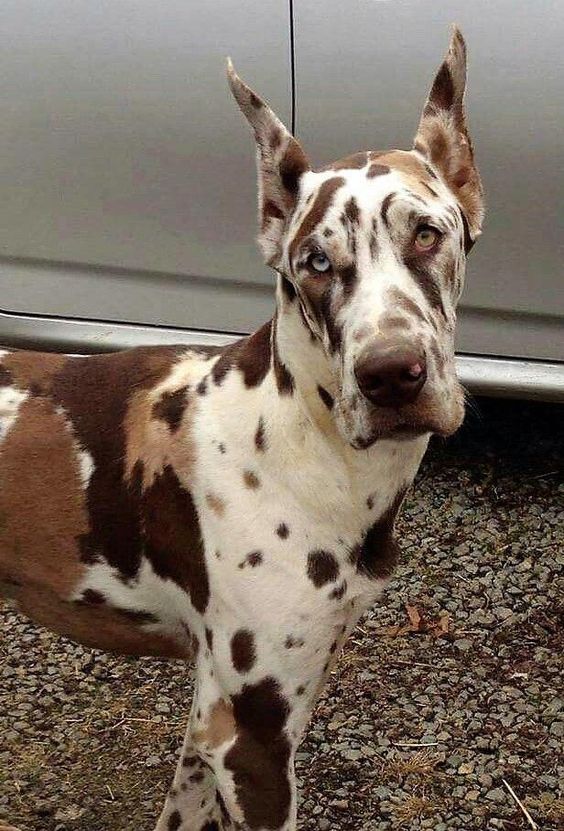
[{"x": 373, "y": 249}]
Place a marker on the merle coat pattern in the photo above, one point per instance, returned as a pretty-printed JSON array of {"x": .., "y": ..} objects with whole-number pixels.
[{"x": 235, "y": 507}]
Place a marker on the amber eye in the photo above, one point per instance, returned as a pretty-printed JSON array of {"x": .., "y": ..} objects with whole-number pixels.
[
  {"x": 319, "y": 262},
  {"x": 426, "y": 237}
]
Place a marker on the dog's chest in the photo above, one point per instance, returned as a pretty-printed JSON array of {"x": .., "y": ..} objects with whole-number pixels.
[{"x": 283, "y": 514}]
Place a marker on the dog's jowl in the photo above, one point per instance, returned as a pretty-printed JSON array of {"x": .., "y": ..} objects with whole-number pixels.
[{"x": 235, "y": 507}]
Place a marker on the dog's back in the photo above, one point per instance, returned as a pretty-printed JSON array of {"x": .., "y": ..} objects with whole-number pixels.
[{"x": 88, "y": 479}]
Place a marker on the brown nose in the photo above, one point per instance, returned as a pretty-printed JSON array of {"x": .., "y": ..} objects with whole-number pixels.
[{"x": 391, "y": 377}]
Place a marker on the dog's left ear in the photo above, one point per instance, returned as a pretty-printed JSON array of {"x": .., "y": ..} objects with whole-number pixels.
[
  {"x": 281, "y": 162},
  {"x": 443, "y": 136}
]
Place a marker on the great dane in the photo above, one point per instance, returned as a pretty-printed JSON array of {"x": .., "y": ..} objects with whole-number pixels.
[{"x": 234, "y": 507}]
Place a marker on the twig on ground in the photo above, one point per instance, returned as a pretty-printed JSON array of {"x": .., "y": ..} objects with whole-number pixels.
[
  {"x": 415, "y": 744},
  {"x": 529, "y": 818}
]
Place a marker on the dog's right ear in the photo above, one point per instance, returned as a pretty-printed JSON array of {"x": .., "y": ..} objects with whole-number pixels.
[{"x": 281, "y": 162}]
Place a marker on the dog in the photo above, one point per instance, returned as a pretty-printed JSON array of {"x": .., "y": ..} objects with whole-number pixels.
[{"x": 235, "y": 507}]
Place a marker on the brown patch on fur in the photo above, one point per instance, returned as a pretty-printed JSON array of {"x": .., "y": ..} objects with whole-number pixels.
[
  {"x": 42, "y": 504},
  {"x": 377, "y": 169},
  {"x": 322, "y": 567},
  {"x": 260, "y": 436},
  {"x": 250, "y": 355},
  {"x": 34, "y": 370},
  {"x": 172, "y": 537},
  {"x": 284, "y": 378},
  {"x": 283, "y": 531},
  {"x": 317, "y": 211},
  {"x": 6, "y": 379},
  {"x": 356, "y": 161},
  {"x": 170, "y": 407},
  {"x": 325, "y": 396},
  {"x": 260, "y": 756},
  {"x": 220, "y": 728},
  {"x": 253, "y": 560},
  {"x": 251, "y": 480},
  {"x": 270, "y": 210},
  {"x": 216, "y": 503},
  {"x": 243, "y": 651},
  {"x": 293, "y": 165},
  {"x": 379, "y": 551}
]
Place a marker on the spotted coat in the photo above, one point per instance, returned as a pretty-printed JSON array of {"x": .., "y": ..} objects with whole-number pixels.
[{"x": 235, "y": 507}]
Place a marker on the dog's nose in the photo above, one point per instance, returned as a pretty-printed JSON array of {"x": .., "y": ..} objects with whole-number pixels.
[{"x": 392, "y": 376}]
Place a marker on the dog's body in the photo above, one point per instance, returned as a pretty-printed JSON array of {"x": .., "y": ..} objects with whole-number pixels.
[{"x": 235, "y": 507}]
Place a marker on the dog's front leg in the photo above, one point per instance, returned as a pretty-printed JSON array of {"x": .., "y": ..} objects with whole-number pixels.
[{"x": 193, "y": 802}]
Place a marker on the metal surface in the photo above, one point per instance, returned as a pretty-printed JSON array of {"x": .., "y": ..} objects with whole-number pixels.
[
  {"x": 363, "y": 71},
  {"x": 481, "y": 375},
  {"x": 121, "y": 148}
]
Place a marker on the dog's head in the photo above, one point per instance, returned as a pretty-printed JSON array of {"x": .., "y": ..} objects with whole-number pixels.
[{"x": 373, "y": 249}]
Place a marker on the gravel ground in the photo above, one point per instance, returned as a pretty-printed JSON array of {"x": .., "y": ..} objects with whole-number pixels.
[{"x": 452, "y": 685}]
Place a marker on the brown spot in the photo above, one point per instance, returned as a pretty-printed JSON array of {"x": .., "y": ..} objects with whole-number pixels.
[
  {"x": 300, "y": 690},
  {"x": 216, "y": 503},
  {"x": 251, "y": 480},
  {"x": 352, "y": 211},
  {"x": 284, "y": 378},
  {"x": 322, "y": 567},
  {"x": 170, "y": 407},
  {"x": 209, "y": 638},
  {"x": 270, "y": 210},
  {"x": 419, "y": 266},
  {"x": 93, "y": 596},
  {"x": 339, "y": 592},
  {"x": 377, "y": 169},
  {"x": 260, "y": 436},
  {"x": 243, "y": 650},
  {"x": 283, "y": 531},
  {"x": 253, "y": 559},
  {"x": 275, "y": 138},
  {"x": 174, "y": 821},
  {"x": 172, "y": 537},
  {"x": 293, "y": 643},
  {"x": 370, "y": 501},
  {"x": 6, "y": 379},
  {"x": 405, "y": 162},
  {"x": 250, "y": 355},
  {"x": 328, "y": 232},
  {"x": 202, "y": 386},
  {"x": 260, "y": 756},
  {"x": 378, "y": 553},
  {"x": 356, "y": 161},
  {"x": 221, "y": 447},
  {"x": 220, "y": 728},
  {"x": 386, "y": 207},
  {"x": 325, "y": 396},
  {"x": 293, "y": 165},
  {"x": 317, "y": 211}
]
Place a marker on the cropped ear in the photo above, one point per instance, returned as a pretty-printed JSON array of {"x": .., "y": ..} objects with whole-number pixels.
[
  {"x": 443, "y": 136},
  {"x": 280, "y": 162}
]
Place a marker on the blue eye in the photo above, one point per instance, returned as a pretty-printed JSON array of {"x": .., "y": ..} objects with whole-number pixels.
[{"x": 319, "y": 262}]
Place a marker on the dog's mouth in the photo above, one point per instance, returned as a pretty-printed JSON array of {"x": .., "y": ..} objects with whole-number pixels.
[{"x": 428, "y": 416}]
